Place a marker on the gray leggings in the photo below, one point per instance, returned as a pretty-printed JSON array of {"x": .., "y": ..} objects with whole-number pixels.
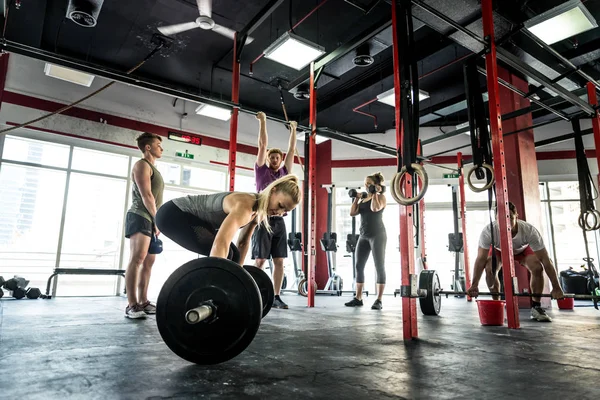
[{"x": 365, "y": 245}]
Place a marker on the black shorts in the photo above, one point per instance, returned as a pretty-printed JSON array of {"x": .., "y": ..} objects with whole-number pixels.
[
  {"x": 266, "y": 245},
  {"x": 135, "y": 223}
]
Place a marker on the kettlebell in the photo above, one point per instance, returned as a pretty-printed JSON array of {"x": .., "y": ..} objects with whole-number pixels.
[{"x": 156, "y": 245}]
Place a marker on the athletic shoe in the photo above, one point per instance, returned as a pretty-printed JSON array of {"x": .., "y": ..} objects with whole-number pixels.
[
  {"x": 354, "y": 303},
  {"x": 277, "y": 303},
  {"x": 539, "y": 314},
  {"x": 377, "y": 305},
  {"x": 148, "y": 307},
  {"x": 135, "y": 312}
]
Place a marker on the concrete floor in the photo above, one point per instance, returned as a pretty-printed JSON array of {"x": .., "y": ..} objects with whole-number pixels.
[{"x": 84, "y": 348}]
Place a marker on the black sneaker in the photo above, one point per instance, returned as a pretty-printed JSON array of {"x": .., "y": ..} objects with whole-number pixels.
[
  {"x": 277, "y": 303},
  {"x": 377, "y": 305},
  {"x": 539, "y": 314},
  {"x": 354, "y": 303}
]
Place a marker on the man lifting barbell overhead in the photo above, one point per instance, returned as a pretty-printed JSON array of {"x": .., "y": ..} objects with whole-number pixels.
[
  {"x": 529, "y": 251},
  {"x": 272, "y": 243}
]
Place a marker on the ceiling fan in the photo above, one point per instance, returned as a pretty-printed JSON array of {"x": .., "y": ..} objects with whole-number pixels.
[{"x": 204, "y": 21}]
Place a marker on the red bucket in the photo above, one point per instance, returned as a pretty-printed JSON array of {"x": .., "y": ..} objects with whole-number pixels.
[
  {"x": 491, "y": 312},
  {"x": 566, "y": 304}
]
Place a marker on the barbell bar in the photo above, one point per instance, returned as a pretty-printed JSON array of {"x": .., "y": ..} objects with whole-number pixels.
[{"x": 567, "y": 295}]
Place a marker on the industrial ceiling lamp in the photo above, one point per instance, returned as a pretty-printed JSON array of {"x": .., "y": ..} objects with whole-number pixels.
[
  {"x": 68, "y": 74},
  {"x": 388, "y": 97},
  {"x": 84, "y": 12},
  {"x": 293, "y": 51},
  {"x": 208, "y": 110},
  {"x": 561, "y": 22}
]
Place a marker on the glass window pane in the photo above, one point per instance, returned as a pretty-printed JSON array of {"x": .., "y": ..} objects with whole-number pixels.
[
  {"x": 563, "y": 190},
  {"x": 245, "y": 183},
  {"x": 35, "y": 151},
  {"x": 100, "y": 161},
  {"x": 204, "y": 178},
  {"x": 570, "y": 246},
  {"x": 31, "y": 202},
  {"x": 92, "y": 233},
  {"x": 170, "y": 172}
]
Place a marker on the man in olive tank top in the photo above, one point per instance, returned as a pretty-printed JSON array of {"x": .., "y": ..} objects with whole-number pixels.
[{"x": 147, "y": 196}]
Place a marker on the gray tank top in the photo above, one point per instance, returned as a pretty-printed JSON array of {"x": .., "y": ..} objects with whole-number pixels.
[
  {"x": 208, "y": 207},
  {"x": 157, "y": 186}
]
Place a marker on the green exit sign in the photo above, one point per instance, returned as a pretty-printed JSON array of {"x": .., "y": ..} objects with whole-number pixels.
[
  {"x": 184, "y": 155},
  {"x": 451, "y": 175}
]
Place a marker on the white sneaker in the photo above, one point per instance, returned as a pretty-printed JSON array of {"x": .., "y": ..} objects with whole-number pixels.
[
  {"x": 148, "y": 307},
  {"x": 135, "y": 312},
  {"x": 539, "y": 314}
]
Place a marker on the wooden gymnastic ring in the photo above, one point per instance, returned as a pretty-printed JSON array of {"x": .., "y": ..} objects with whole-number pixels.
[
  {"x": 486, "y": 187},
  {"x": 396, "y": 189}
]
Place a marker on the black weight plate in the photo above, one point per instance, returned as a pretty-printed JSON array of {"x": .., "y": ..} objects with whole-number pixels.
[
  {"x": 429, "y": 280},
  {"x": 265, "y": 286},
  {"x": 238, "y": 303}
]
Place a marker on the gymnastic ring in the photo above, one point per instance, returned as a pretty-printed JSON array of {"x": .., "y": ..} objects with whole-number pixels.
[
  {"x": 398, "y": 193},
  {"x": 486, "y": 187},
  {"x": 303, "y": 287},
  {"x": 583, "y": 220}
]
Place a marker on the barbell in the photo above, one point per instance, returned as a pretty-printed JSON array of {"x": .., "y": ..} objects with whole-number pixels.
[
  {"x": 209, "y": 309},
  {"x": 430, "y": 292}
]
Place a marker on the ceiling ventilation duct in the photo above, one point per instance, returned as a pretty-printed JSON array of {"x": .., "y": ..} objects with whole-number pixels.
[
  {"x": 84, "y": 12},
  {"x": 363, "y": 56}
]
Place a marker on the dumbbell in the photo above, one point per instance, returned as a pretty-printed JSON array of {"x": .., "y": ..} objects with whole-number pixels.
[
  {"x": 1, "y": 293},
  {"x": 2, "y": 281},
  {"x": 373, "y": 189},
  {"x": 353, "y": 193},
  {"x": 33, "y": 293},
  {"x": 17, "y": 282},
  {"x": 18, "y": 293}
]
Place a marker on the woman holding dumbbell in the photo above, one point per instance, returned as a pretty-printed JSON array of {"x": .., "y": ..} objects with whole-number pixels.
[{"x": 373, "y": 237}]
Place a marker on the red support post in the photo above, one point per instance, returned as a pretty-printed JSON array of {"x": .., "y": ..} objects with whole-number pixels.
[
  {"x": 463, "y": 219},
  {"x": 407, "y": 256},
  {"x": 593, "y": 100},
  {"x": 503, "y": 217},
  {"x": 233, "y": 123},
  {"x": 312, "y": 184},
  {"x": 3, "y": 72}
]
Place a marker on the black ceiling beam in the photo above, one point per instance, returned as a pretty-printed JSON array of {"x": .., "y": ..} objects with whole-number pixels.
[
  {"x": 562, "y": 138},
  {"x": 359, "y": 39},
  {"x": 511, "y": 60},
  {"x": 163, "y": 88},
  {"x": 367, "y": 144},
  {"x": 260, "y": 17},
  {"x": 254, "y": 23}
]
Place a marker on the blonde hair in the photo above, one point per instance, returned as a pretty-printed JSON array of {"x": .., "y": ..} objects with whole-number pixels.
[
  {"x": 289, "y": 185},
  {"x": 377, "y": 178},
  {"x": 271, "y": 151}
]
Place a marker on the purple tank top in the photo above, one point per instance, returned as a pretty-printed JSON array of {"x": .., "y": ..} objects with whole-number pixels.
[{"x": 265, "y": 175}]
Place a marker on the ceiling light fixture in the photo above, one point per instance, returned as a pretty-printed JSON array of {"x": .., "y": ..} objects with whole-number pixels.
[
  {"x": 301, "y": 136},
  {"x": 389, "y": 99},
  {"x": 211, "y": 111},
  {"x": 561, "y": 22},
  {"x": 293, "y": 51},
  {"x": 68, "y": 74}
]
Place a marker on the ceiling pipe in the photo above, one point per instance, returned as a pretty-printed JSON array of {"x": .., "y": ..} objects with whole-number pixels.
[
  {"x": 291, "y": 29},
  {"x": 440, "y": 68}
]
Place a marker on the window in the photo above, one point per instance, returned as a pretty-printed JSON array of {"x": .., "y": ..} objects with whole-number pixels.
[
  {"x": 35, "y": 151},
  {"x": 92, "y": 233},
  {"x": 204, "y": 178},
  {"x": 31, "y": 203},
  {"x": 245, "y": 183},
  {"x": 170, "y": 172},
  {"x": 100, "y": 161}
]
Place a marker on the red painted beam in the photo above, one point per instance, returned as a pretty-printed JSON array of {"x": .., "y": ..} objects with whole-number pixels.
[
  {"x": 463, "y": 218},
  {"x": 312, "y": 189},
  {"x": 3, "y": 71},
  {"x": 233, "y": 122},
  {"x": 593, "y": 100},
  {"x": 508, "y": 264},
  {"x": 409, "y": 306}
]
